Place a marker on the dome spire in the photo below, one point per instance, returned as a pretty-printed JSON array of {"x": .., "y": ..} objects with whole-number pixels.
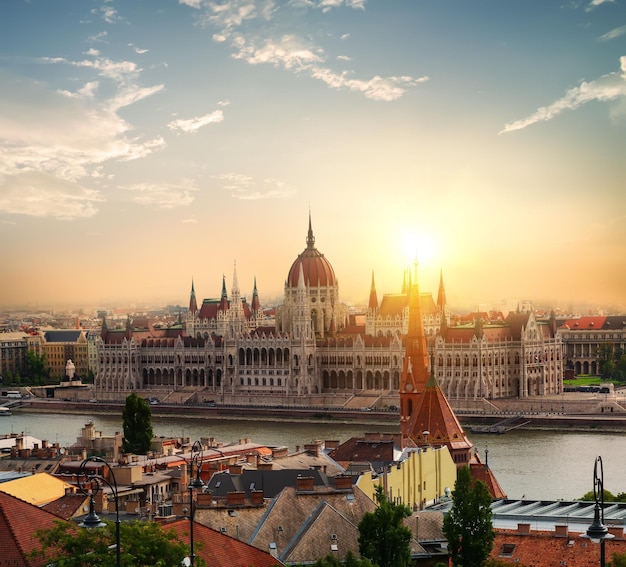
[{"x": 310, "y": 239}]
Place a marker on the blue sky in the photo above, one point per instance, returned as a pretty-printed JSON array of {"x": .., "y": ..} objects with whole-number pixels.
[{"x": 148, "y": 142}]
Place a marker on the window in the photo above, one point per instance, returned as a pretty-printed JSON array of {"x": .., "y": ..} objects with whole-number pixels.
[{"x": 507, "y": 550}]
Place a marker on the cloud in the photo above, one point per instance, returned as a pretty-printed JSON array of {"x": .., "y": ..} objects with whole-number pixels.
[
  {"x": 194, "y": 124},
  {"x": 40, "y": 194},
  {"x": 606, "y": 89},
  {"x": 246, "y": 188},
  {"x": 65, "y": 137},
  {"x": 595, "y": 3},
  {"x": 164, "y": 196},
  {"x": 108, "y": 13},
  {"x": 613, "y": 34},
  {"x": 233, "y": 21}
]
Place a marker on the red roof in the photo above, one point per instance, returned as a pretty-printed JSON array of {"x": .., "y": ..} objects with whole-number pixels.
[
  {"x": 220, "y": 550},
  {"x": 585, "y": 323},
  {"x": 18, "y": 522},
  {"x": 316, "y": 268}
]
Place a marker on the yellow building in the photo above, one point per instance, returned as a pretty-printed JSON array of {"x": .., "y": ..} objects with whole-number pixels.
[
  {"x": 61, "y": 345},
  {"x": 37, "y": 489},
  {"x": 420, "y": 478}
]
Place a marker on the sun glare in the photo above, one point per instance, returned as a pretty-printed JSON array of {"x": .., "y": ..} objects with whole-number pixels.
[{"x": 421, "y": 246}]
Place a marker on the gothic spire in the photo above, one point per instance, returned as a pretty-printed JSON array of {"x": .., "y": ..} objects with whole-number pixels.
[
  {"x": 373, "y": 303},
  {"x": 310, "y": 239},
  {"x": 441, "y": 295},
  {"x": 256, "y": 304},
  {"x": 193, "y": 305}
]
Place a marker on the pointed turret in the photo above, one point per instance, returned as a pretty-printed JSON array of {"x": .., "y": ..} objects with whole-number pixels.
[
  {"x": 223, "y": 306},
  {"x": 105, "y": 329},
  {"x": 415, "y": 364},
  {"x": 373, "y": 303},
  {"x": 310, "y": 239},
  {"x": 256, "y": 304},
  {"x": 441, "y": 295},
  {"x": 193, "y": 305}
]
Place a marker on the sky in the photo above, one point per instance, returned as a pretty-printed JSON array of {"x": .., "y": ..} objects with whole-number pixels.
[{"x": 147, "y": 144}]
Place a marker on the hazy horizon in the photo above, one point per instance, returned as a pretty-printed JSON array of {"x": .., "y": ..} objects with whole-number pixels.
[{"x": 146, "y": 144}]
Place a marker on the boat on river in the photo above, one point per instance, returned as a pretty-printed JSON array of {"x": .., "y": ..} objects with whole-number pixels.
[{"x": 4, "y": 411}]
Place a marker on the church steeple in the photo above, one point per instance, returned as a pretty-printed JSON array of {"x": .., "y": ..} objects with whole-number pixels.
[
  {"x": 255, "y": 306},
  {"x": 415, "y": 364}
]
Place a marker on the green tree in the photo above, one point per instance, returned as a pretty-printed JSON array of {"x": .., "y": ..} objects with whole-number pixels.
[
  {"x": 605, "y": 357},
  {"x": 590, "y": 496},
  {"x": 37, "y": 368},
  {"x": 137, "y": 425},
  {"x": 468, "y": 526},
  {"x": 350, "y": 561},
  {"x": 141, "y": 543},
  {"x": 382, "y": 536}
]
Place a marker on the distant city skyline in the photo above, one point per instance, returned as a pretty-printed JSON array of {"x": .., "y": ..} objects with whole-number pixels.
[{"x": 146, "y": 144}]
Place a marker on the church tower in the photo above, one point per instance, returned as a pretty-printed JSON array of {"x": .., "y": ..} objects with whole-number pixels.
[{"x": 415, "y": 363}]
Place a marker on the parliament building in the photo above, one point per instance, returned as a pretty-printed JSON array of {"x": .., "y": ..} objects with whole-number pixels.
[{"x": 227, "y": 349}]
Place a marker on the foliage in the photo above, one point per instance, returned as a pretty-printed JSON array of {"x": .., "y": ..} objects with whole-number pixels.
[
  {"x": 611, "y": 362},
  {"x": 350, "y": 561},
  {"x": 141, "y": 543},
  {"x": 37, "y": 367},
  {"x": 137, "y": 425},
  {"x": 618, "y": 560},
  {"x": 468, "y": 526},
  {"x": 608, "y": 496},
  {"x": 382, "y": 536}
]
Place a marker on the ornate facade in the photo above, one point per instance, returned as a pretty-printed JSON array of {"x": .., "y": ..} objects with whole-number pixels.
[{"x": 227, "y": 347}]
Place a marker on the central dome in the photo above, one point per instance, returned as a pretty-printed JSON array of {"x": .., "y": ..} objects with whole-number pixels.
[{"x": 316, "y": 268}]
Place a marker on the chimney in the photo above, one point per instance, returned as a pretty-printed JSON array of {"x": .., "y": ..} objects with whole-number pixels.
[
  {"x": 235, "y": 469},
  {"x": 256, "y": 497},
  {"x": 343, "y": 482},
  {"x": 560, "y": 530},
  {"x": 264, "y": 466},
  {"x": 251, "y": 458},
  {"x": 305, "y": 484},
  {"x": 617, "y": 531},
  {"x": 523, "y": 529},
  {"x": 237, "y": 498},
  {"x": 331, "y": 444},
  {"x": 280, "y": 452}
]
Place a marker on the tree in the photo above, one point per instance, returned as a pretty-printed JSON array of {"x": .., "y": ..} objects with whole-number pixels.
[
  {"x": 468, "y": 526},
  {"x": 350, "y": 561},
  {"x": 142, "y": 543},
  {"x": 36, "y": 368},
  {"x": 382, "y": 536},
  {"x": 137, "y": 425}
]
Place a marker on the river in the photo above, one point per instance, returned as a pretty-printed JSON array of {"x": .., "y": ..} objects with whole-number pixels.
[{"x": 537, "y": 465}]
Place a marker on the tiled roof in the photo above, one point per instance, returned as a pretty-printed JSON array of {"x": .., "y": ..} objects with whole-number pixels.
[
  {"x": 287, "y": 517},
  {"x": 480, "y": 471},
  {"x": 588, "y": 323},
  {"x": 434, "y": 422},
  {"x": 18, "y": 522},
  {"x": 219, "y": 549},
  {"x": 38, "y": 489},
  {"x": 63, "y": 336},
  {"x": 550, "y": 548},
  {"x": 383, "y": 450},
  {"x": 68, "y": 506}
]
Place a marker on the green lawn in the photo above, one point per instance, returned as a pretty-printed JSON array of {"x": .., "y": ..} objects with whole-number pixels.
[{"x": 585, "y": 380}]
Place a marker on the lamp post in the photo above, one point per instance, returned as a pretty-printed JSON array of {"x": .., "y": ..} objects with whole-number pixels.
[
  {"x": 95, "y": 482},
  {"x": 597, "y": 531},
  {"x": 194, "y": 483}
]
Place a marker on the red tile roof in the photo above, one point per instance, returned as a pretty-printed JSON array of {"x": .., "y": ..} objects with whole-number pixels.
[
  {"x": 221, "y": 550},
  {"x": 546, "y": 548},
  {"x": 18, "y": 522}
]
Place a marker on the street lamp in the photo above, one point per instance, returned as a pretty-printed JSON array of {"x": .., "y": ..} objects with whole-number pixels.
[
  {"x": 597, "y": 531},
  {"x": 194, "y": 483},
  {"x": 94, "y": 482}
]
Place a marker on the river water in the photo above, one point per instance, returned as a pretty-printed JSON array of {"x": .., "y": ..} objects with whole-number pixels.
[{"x": 537, "y": 465}]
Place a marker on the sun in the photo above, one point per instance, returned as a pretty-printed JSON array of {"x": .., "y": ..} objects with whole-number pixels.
[{"x": 421, "y": 246}]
